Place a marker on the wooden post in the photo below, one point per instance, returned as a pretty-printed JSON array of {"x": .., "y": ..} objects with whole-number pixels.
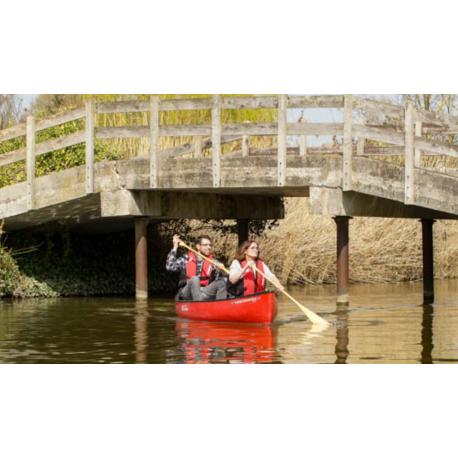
[
  {"x": 347, "y": 143},
  {"x": 342, "y": 259},
  {"x": 30, "y": 162},
  {"x": 361, "y": 143},
  {"x": 90, "y": 122},
  {"x": 154, "y": 134},
  {"x": 360, "y": 146},
  {"x": 409, "y": 155},
  {"x": 282, "y": 120},
  {"x": 245, "y": 145},
  {"x": 428, "y": 260},
  {"x": 303, "y": 145},
  {"x": 198, "y": 147},
  {"x": 302, "y": 141},
  {"x": 418, "y": 129},
  {"x": 242, "y": 230},
  {"x": 141, "y": 258},
  {"x": 216, "y": 140}
]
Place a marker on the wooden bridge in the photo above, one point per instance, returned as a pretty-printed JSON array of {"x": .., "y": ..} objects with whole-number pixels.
[{"x": 381, "y": 160}]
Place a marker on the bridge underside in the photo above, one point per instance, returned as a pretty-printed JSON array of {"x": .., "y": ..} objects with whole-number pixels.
[
  {"x": 335, "y": 202},
  {"x": 109, "y": 211}
]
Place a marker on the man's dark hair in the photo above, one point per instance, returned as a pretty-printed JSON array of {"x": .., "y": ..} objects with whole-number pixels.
[{"x": 202, "y": 237}]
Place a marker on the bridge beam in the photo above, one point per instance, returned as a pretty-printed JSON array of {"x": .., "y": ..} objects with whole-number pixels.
[
  {"x": 327, "y": 201},
  {"x": 141, "y": 258},
  {"x": 342, "y": 259},
  {"x": 171, "y": 205},
  {"x": 428, "y": 260}
]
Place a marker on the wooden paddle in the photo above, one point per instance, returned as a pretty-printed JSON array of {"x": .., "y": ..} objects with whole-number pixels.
[
  {"x": 313, "y": 317},
  {"x": 204, "y": 257}
]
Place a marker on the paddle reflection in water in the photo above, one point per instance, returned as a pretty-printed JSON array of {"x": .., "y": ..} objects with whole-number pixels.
[
  {"x": 210, "y": 342},
  {"x": 342, "y": 338},
  {"x": 141, "y": 331}
]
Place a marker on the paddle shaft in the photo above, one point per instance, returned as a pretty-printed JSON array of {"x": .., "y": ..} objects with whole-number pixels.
[
  {"x": 204, "y": 257},
  {"x": 313, "y": 317}
]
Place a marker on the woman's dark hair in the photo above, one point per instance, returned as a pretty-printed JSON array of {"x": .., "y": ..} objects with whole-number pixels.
[{"x": 240, "y": 253}]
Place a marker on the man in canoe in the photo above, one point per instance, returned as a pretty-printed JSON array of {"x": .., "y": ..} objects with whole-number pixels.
[
  {"x": 244, "y": 278},
  {"x": 200, "y": 280}
]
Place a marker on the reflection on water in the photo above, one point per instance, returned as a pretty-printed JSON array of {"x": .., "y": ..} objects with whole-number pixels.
[
  {"x": 427, "y": 334},
  {"x": 205, "y": 342},
  {"x": 384, "y": 323},
  {"x": 341, "y": 334},
  {"x": 141, "y": 331}
]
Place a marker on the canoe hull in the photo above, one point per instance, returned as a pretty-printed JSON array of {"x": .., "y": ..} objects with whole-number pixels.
[{"x": 256, "y": 308}]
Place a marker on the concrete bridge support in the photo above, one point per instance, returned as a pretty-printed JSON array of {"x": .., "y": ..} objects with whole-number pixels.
[
  {"x": 342, "y": 259},
  {"x": 141, "y": 258},
  {"x": 428, "y": 260}
]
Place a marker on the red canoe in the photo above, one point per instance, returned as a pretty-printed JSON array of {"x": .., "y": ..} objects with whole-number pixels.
[{"x": 256, "y": 308}]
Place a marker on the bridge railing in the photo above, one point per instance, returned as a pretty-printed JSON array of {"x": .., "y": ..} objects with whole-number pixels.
[
  {"x": 411, "y": 133},
  {"x": 402, "y": 130}
]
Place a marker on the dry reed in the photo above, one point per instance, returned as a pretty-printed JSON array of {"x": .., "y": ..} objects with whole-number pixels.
[{"x": 302, "y": 248}]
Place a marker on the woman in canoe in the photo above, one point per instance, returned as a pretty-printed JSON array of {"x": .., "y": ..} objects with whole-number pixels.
[{"x": 243, "y": 278}]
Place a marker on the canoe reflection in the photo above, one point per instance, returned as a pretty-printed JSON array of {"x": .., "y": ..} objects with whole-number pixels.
[{"x": 210, "y": 342}]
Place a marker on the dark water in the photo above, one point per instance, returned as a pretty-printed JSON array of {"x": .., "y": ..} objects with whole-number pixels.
[{"x": 383, "y": 324}]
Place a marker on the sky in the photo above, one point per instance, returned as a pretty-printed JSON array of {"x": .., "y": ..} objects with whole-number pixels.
[{"x": 27, "y": 99}]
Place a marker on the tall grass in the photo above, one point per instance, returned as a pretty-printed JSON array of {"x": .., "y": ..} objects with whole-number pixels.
[
  {"x": 132, "y": 147},
  {"x": 302, "y": 248}
]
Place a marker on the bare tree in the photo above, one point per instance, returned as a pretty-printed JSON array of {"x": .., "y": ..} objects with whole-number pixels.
[
  {"x": 442, "y": 103},
  {"x": 10, "y": 110}
]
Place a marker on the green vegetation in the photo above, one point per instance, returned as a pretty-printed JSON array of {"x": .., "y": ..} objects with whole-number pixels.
[{"x": 14, "y": 282}]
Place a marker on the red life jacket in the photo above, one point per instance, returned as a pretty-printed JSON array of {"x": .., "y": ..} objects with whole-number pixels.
[
  {"x": 191, "y": 269},
  {"x": 252, "y": 284}
]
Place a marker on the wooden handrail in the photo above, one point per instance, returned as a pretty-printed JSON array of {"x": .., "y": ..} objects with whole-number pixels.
[{"x": 394, "y": 134}]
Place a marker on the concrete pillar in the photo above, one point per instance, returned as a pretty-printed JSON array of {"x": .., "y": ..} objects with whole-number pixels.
[
  {"x": 428, "y": 260},
  {"x": 342, "y": 259},
  {"x": 242, "y": 229},
  {"x": 141, "y": 258}
]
